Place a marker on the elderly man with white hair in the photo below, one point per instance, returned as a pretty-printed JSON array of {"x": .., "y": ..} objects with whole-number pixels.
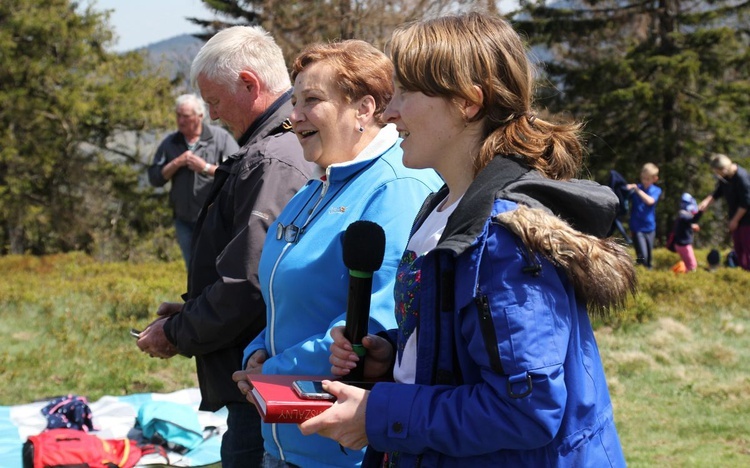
[
  {"x": 243, "y": 78},
  {"x": 188, "y": 158}
]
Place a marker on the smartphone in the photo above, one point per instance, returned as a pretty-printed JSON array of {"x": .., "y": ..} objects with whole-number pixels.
[
  {"x": 135, "y": 333},
  {"x": 311, "y": 390}
]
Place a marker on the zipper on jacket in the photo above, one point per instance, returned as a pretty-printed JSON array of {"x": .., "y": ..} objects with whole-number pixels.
[
  {"x": 272, "y": 305},
  {"x": 275, "y": 434},
  {"x": 272, "y": 302},
  {"x": 487, "y": 325}
]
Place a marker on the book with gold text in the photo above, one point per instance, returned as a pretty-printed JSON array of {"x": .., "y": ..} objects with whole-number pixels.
[{"x": 277, "y": 402}]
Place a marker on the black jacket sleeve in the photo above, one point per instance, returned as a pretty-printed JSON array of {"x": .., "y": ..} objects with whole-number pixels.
[{"x": 231, "y": 311}]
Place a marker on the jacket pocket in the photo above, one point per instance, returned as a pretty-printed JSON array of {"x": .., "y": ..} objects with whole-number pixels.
[{"x": 527, "y": 341}]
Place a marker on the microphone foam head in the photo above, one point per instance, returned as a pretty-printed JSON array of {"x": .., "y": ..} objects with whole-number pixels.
[{"x": 364, "y": 246}]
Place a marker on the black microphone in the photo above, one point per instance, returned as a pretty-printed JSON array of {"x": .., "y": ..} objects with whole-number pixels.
[{"x": 364, "y": 248}]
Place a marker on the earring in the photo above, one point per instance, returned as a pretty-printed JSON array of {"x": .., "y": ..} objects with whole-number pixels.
[{"x": 361, "y": 130}]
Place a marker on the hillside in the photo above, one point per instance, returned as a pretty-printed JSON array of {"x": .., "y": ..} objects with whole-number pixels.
[{"x": 174, "y": 57}]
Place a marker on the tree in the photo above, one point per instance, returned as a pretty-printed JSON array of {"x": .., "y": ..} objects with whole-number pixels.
[
  {"x": 298, "y": 23},
  {"x": 64, "y": 103},
  {"x": 664, "y": 81}
]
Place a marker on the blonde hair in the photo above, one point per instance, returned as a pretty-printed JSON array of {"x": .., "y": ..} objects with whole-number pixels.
[
  {"x": 650, "y": 169},
  {"x": 448, "y": 56},
  {"x": 720, "y": 161}
]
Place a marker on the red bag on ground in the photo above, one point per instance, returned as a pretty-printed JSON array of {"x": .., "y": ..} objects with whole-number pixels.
[{"x": 74, "y": 448}]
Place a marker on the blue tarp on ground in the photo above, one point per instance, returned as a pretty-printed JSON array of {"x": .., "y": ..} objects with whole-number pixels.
[{"x": 114, "y": 418}]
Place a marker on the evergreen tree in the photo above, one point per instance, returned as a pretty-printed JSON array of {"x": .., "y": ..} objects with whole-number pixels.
[
  {"x": 662, "y": 81},
  {"x": 63, "y": 101}
]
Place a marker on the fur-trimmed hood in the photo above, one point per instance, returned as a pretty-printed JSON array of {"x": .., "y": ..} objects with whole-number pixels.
[
  {"x": 601, "y": 270},
  {"x": 565, "y": 221}
]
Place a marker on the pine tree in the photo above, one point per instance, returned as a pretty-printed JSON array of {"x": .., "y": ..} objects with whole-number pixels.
[
  {"x": 63, "y": 99},
  {"x": 662, "y": 81}
]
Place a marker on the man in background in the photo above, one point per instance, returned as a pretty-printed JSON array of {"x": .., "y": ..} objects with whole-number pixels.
[
  {"x": 734, "y": 186},
  {"x": 243, "y": 78},
  {"x": 188, "y": 158}
]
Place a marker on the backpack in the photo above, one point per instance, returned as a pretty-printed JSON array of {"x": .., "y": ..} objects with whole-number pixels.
[
  {"x": 171, "y": 425},
  {"x": 75, "y": 448},
  {"x": 69, "y": 411}
]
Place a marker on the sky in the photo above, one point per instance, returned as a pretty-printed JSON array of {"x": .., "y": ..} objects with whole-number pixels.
[{"x": 139, "y": 23}]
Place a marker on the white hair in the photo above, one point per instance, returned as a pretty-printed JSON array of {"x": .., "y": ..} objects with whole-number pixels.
[
  {"x": 193, "y": 101},
  {"x": 239, "y": 48}
]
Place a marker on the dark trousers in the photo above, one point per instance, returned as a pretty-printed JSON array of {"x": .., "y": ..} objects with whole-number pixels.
[
  {"x": 741, "y": 240},
  {"x": 644, "y": 247},
  {"x": 242, "y": 444}
]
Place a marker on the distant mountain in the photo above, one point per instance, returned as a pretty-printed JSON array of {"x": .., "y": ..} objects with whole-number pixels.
[
  {"x": 174, "y": 56},
  {"x": 185, "y": 43}
]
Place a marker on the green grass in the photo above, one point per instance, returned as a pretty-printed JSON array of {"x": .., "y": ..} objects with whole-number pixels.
[
  {"x": 677, "y": 359},
  {"x": 65, "y": 322},
  {"x": 679, "y": 375}
]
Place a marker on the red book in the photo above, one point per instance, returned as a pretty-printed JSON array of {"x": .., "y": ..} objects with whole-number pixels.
[{"x": 277, "y": 402}]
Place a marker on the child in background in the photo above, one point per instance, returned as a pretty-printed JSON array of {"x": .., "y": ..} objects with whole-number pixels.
[
  {"x": 643, "y": 213},
  {"x": 684, "y": 226}
]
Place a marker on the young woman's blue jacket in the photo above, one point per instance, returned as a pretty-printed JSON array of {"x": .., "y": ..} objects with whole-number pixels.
[
  {"x": 508, "y": 370},
  {"x": 305, "y": 283}
]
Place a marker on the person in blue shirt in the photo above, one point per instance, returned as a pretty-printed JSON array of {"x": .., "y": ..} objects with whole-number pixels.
[
  {"x": 643, "y": 200},
  {"x": 340, "y": 92},
  {"x": 494, "y": 361}
]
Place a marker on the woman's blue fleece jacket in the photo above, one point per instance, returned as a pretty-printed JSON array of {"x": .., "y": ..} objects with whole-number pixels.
[{"x": 305, "y": 284}]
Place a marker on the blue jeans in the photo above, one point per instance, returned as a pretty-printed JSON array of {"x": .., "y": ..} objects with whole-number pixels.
[
  {"x": 242, "y": 444},
  {"x": 184, "y": 231}
]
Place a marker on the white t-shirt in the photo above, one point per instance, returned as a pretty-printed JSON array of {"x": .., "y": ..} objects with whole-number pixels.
[{"x": 424, "y": 240}]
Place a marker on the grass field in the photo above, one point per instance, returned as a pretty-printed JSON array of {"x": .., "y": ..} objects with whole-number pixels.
[{"x": 677, "y": 361}]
